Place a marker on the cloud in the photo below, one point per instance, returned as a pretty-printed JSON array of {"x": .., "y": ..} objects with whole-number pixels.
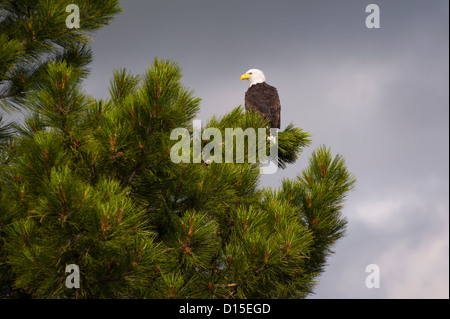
[
  {"x": 417, "y": 271},
  {"x": 405, "y": 233},
  {"x": 409, "y": 244},
  {"x": 377, "y": 214},
  {"x": 359, "y": 91}
]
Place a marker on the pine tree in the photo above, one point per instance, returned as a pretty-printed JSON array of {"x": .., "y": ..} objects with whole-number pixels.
[
  {"x": 34, "y": 32},
  {"x": 91, "y": 182}
]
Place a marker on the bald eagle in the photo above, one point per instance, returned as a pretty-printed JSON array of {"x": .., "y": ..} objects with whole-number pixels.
[{"x": 262, "y": 97}]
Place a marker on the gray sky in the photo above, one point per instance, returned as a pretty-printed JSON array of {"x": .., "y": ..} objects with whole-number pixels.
[{"x": 378, "y": 96}]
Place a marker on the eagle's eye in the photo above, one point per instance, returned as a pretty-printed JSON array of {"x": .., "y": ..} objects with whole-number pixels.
[{"x": 249, "y": 73}]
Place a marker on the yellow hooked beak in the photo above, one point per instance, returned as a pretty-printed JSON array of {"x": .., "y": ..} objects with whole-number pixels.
[{"x": 244, "y": 76}]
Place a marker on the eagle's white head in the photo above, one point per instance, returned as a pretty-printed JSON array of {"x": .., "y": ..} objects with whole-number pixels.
[{"x": 254, "y": 76}]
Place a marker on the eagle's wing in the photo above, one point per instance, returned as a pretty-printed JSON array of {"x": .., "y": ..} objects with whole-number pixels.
[{"x": 272, "y": 100}]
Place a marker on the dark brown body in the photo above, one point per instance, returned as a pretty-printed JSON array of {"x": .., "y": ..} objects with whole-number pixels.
[{"x": 264, "y": 98}]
